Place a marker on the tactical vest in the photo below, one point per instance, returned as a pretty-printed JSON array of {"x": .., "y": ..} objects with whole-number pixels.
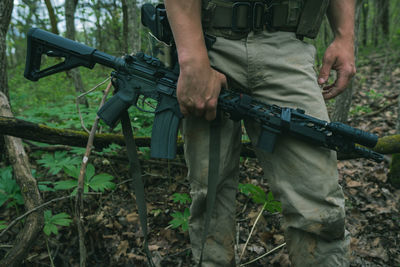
[{"x": 234, "y": 20}]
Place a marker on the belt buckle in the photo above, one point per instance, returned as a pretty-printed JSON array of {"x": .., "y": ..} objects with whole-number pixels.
[
  {"x": 258, "y": 16},
  {"x": 254, "y": 16},
  {"x": 235, "y": 11}
]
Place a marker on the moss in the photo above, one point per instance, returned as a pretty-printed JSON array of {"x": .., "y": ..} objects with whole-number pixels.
[{"x": 394, "y": 174}]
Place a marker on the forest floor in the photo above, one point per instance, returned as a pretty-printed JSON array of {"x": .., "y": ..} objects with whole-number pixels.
[{"x": 113, "y": 236}]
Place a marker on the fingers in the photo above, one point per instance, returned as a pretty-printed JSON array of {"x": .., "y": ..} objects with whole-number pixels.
[
  {"x": 201, "y": 99},
  {"x": 327, "y": 64},
  {"x": 344, "y": 75},
  {"x": 343, "y": 64},
  {"x": 211, "y": 106}
]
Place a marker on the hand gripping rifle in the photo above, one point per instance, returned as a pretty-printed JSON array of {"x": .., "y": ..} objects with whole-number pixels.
[{"x": 140, "y": 75}]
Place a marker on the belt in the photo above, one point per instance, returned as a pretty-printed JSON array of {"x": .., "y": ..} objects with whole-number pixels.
[{"x": 237, "y": 19}]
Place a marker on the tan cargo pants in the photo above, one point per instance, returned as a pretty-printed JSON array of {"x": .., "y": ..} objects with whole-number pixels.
[{"x": 278, "y": 69}]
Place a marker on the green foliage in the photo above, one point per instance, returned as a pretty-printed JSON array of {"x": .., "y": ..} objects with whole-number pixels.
[
  {"x": 51, "y": 222},
  {"x": 94, "y": 182},
  {"x": 372, "y": 94},
  {"x": 112, "y": 149},
  {"x": 181, "y": 198},
  {"x": 57, "y": 161},
  {"x": 9, "y": 189},
  {"x": 3, "y": 225},
  {"x": 156, "y": 212},
  {"x": 360, "y": 109},
  {"x": 180, "y": 219},
  {"x": 46, "y": 186},
  {"x": 258, "y": 195}
]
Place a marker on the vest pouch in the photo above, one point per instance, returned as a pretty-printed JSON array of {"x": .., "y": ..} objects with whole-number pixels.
[{"x": 311, "y": 18}]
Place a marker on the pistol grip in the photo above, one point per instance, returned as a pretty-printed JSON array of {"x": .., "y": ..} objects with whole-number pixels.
[
  {"x": 165, "y": 129},
  {"x": 112, "y": 110}
]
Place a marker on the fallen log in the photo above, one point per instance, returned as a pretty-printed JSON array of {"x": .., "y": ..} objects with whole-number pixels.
[{"x": 45, "y": 134}]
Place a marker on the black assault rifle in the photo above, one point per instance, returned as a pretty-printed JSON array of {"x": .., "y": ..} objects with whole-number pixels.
[{"x": 140, "y": 75}]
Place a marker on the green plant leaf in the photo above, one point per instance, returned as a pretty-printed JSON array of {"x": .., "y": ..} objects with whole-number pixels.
[
  {"x": 51, "y": 222},
  {"x": 65, "y": 185},
  {"x": 180, "y": 219},
  {"x": 72, "y": 171},
  {"x": 48, "y": 229},
  {"x": 9, "y": 189},
  {"x": 90, "y": 171},
  {"x": 181, "y": 198},
  {"x": 256, "y": 193},
  {"x": 62, "y": 219},
  {"x": 3, "y": 198},
  {"x": 57, "y": 161},
  {"x": 101, "y": 182},
  {"x": 43, "y": 186},
  {"x": 3, "y": 225}
]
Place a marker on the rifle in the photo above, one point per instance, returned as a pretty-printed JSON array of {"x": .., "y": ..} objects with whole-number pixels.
[{"x": 140, "y": 75}]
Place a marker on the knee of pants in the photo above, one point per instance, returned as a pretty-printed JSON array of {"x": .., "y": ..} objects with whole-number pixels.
[{"x": 325, "y": 222}]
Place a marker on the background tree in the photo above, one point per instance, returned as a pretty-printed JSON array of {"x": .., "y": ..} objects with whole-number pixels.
[
  {"x": 52, "y": 16},
  {"x": 365, "y": 12},
  {"x": 6, "y": 8},
  {"x": 343, "y": 101},
  {"x": 383, "y": 7},
  {"x": 70, "y": 7}
]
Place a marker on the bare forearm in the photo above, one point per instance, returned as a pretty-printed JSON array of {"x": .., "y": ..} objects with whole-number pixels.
[
  {"x": 341, "y": 15},
  {"x": 185, "y": 19},
  {"x": 339, "y": 55},
  {"x": 198, "y": 84}
]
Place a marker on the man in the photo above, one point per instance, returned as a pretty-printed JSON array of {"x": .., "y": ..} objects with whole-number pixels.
[{"x": 274, "y": 66}]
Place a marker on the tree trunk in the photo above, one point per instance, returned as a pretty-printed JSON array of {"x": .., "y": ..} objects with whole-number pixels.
[
  {"x": 375, "y": 28},
  {"x": 125, "y": 26},
  {"x": 365, "y": 11},
  {"x": 134, "y": 26},
  {"x": 6, "y": 7},
  {"x": 52, "y": 16},
  {"x": 343, "y": 101},
  {"x": 383, "y": 12},
  {"x": 70, "y": 7},
  {"x": 30, "y": 192},
  {"x": 98, "y": 30},
  {"x": 394, "y": 173}
]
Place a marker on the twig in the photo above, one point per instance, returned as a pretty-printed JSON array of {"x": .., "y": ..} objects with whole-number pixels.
[
  {"x": 48, "y": 251},
  {"x": 82, "y": 95},
  {"x": 251, "y": 232},
  {"x": 380, "y": 110},
  {"x": 264, "y": 255},
  {"x": 29, "y": 212},
  {"x": 81, "y": 180}
]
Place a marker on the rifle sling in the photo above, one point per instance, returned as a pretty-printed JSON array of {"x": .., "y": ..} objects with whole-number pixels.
[
  {"x": 213, "y": 177},
  {"x": 136, "y": 174}
]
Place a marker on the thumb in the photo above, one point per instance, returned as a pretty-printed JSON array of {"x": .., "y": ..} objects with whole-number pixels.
[{"x": 325, "y": 70}]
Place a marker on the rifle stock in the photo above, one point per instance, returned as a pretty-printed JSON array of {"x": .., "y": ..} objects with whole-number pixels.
[{"x": 40, "y": 42}]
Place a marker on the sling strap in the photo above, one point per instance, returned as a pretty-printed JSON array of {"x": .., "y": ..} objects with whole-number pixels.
[
  {"x": 136, "y": 174},
  {"x": 213, "y": 177}
]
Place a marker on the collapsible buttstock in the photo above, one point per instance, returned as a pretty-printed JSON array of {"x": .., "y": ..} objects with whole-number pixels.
[{"x": 40, "y": 42}]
